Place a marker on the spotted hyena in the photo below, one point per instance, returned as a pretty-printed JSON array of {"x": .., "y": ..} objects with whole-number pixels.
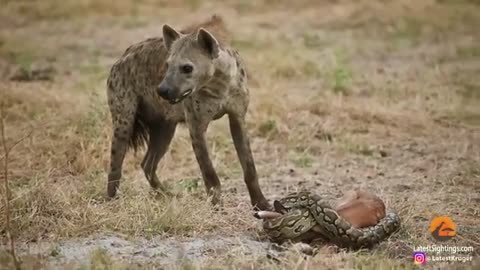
[{"x": 190, "y": 76}]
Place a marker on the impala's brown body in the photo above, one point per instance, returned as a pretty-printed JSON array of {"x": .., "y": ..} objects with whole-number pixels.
[{"x": 191, "y": 76}]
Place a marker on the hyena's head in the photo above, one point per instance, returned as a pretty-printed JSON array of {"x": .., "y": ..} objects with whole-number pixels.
[{"x": 189, "y": 63}]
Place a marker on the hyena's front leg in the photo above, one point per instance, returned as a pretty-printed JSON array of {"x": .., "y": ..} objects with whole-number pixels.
[
  {"x": 210, "y": 178},
  {"x": 160, "y": 136},
  {"x": 242, "y": 146}
]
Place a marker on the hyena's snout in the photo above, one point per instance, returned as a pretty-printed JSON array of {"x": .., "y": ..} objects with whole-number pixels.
[
  {"x": 171, "y": 94},
  {"x": 164, "y": 91}
]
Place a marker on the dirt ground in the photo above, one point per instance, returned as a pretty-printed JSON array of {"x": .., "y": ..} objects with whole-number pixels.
[{"x": 379, "y": 95}]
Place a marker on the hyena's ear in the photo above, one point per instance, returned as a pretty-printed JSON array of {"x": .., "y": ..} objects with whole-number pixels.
[
  {"x": 169, "y": 36},
  {"x": 208, "y": 42}
]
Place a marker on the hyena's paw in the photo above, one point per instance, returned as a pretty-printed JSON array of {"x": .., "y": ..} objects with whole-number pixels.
[
  {"x": 112, "y": 186},
  {"x": 156, "y": 184},
  {"x": 215, "y": 198},
  {"x": 262, "y": 204}
]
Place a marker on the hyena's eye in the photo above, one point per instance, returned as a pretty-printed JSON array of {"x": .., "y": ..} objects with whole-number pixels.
[{"x": 186, "y": 69}]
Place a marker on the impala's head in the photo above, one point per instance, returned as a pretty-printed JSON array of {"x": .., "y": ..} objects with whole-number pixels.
[{"x": 189, "y": 64}]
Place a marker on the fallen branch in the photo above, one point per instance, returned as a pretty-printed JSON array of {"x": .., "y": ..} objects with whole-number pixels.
[{"x": 10, "y": 236}]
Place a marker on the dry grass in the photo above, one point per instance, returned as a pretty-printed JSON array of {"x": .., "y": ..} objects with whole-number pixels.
[{"x": 374, "y": 94}]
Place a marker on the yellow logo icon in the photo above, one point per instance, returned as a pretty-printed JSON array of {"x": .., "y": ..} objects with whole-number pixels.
[{"x": 442, "y": 228}]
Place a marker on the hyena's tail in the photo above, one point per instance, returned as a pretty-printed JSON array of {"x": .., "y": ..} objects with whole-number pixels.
[
  {"x": 139, "y": 133},
  {"x": 121, "y": 108}
]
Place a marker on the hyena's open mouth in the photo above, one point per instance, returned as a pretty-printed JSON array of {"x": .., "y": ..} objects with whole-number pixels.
[{"x": 182, "y": 97}]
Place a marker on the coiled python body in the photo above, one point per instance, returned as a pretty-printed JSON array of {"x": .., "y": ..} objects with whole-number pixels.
[{"x": 306, "y": 216}]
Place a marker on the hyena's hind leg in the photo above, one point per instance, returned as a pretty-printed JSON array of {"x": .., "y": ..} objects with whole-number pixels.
[
  {"x": 160, "y": 136},
  {"x": 123, "y": 112}
]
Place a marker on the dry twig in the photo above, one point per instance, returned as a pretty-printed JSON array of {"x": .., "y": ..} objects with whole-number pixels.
[{"x": 10, "y": 237}]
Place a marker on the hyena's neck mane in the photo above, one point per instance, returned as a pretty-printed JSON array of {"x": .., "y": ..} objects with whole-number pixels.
[
  {"x": 225, "y": 65},
  {"x": 229, "y": 74},
  {"x": 229, "y": 70}
]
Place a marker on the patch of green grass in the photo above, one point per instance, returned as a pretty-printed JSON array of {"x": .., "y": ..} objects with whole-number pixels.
[
  {"x": 303, "y": 161},
  {"x": 468, "y": 52},
  {"x": 268, "y": 128},
  {"x": 470, "y": 91},
  {"x": 341, "y": 75},
  {"x": 473, "y": 170},
  {"x": 466, "y": 116},
  {"x": 366, "y": 151},
  {"x": 190, "y": 185},
  {"x": 342, "y": 80},
  {"x": 24, "y": 59},
  {"x": 313, "y": 41},
  {"x": 18, "y": 53}
]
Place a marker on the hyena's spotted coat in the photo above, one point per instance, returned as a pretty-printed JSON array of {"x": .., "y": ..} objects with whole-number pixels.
[{"x": 190, "y": 76}]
